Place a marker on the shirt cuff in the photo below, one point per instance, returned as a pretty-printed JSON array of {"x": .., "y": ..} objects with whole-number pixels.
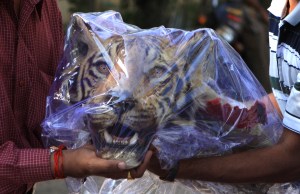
[
  {"x": 291, "y": 123},
  {"x": 291, "y": 119},
  {"x": 34, "y": 165}
]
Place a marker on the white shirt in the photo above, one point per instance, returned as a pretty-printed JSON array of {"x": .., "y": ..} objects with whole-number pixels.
[{"x": 284, "y": 39}]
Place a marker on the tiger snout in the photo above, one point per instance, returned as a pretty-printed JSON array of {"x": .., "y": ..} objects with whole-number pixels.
[{"x": 124, "y": 130}]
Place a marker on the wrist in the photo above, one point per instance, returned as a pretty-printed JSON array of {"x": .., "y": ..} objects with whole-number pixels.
[
  {"x": 57, "y": 161},
  {"x": 68, "y": 163},
  {"x": 52, "y": 163},
  {"x": 171, "y": 174}
]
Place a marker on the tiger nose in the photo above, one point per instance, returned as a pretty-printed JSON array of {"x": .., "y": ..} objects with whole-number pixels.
[{"x": 128, "y": 104}]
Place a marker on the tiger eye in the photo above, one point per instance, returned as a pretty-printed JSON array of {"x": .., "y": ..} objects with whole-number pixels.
[
  {"x": 158, "y": 72},
  {"x": 104, "y": 69}
]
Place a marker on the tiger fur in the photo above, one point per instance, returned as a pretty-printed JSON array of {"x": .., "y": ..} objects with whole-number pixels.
[{"x": 132, "y": 84}]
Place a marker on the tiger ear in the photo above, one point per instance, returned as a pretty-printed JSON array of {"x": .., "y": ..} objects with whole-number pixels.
[
  {"x": 174, "y": 46},
  {"x": 81, "y": 37},
  {"x": 78, "y": 45},
  {"x": 85, "y": 39},
  {"x": 200, "y": 45},
  {"x": 182, "y": 45},
  {"x": 189, "y": 44}
]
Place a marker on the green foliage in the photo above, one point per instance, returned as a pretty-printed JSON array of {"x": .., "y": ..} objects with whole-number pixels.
[
  {"x": 148, "y": 13},
  {"x": 81, "y": 5},
  {"x": 91, "y": 5}
]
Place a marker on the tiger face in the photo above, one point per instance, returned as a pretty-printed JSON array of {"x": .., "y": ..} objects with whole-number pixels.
[{"x": 129, "y": 85}]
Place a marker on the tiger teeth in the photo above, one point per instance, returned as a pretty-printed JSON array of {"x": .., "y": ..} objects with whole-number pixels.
[
  {"x": 107, "y": 137},
  {"x": 120, "y": 142},
  {"x": 114, "y": 140},
  {"x": 134, "y": 139}
]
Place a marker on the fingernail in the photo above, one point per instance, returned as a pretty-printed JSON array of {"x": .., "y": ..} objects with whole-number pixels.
[{"x": 122, "y": 165}]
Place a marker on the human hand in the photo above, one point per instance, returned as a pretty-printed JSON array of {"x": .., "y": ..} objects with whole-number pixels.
[
  {"x": 83, "y": 162},
  {"x": 155, "y": 167},
  {"x": 139, "y": 171}
]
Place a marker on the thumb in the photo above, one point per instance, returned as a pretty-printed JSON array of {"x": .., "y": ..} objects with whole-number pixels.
[{"x": 122, "y": 165}]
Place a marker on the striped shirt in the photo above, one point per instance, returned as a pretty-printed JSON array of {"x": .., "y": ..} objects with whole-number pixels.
[{"x": 284, "y": 40}]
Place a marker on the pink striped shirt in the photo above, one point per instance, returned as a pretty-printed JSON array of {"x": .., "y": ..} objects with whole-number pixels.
[{"x": 30, "y": 48}]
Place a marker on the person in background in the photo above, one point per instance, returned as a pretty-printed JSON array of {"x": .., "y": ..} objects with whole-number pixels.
[
  {"x": 280, "y": 162},
  {"x": 31, "y": 43},
  {"x": 244, "y": 24}
]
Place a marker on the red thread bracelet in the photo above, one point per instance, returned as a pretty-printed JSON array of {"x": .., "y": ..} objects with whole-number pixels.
[{"x": 58, "y": 161}]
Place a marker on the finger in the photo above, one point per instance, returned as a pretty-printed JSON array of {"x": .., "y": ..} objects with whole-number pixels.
[
  {"x": 153, "y": 148},
  {"x": 123, "y": 174},
  {"x": 147, "y": 158},
  {"x": 139, "y": 171},
  {"x": 122, "y": 165},
  {"x": 117, "y": 166},
  {"x": 119, "y": 170}
]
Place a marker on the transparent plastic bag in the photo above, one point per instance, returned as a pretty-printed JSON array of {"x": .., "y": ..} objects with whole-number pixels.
[
  {"x": 151, "y": 184},
  {"x": 187, "y": 92}
]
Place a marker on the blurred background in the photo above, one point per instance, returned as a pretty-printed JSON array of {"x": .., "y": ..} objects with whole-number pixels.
[{"x": 243, "y": 23}]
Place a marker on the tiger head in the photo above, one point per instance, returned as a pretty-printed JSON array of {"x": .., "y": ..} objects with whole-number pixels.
[{"x": 130, "y": 85}]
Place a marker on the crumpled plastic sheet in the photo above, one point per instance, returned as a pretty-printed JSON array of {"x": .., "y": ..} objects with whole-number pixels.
[{"x": 151, "y": 184}]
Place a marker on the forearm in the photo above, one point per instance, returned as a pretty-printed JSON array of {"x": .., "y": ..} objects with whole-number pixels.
[
  {"x": 274, "y": 103},
  {"x": 233, "y": 168},
  {"x": 260, "y": 165},
  {"x": 22, "y": 166}
]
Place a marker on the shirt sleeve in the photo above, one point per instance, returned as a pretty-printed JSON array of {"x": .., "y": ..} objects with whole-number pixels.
[
  {"x": 23, "y": 166},
  {"x": 276, "y": 7},
  {"x": 291, "y": 119}
]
